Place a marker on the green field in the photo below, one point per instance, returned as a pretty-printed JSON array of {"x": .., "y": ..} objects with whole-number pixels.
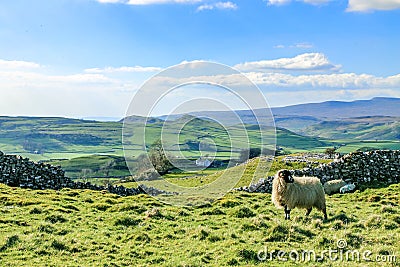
[
  {"x": 89, "y": 228},
  {"x": 361, "y": 128},
  {"x": 251, "y": 172}
]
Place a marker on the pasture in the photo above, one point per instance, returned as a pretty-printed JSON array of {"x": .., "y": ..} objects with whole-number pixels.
[{"x": 89, "y": 228}]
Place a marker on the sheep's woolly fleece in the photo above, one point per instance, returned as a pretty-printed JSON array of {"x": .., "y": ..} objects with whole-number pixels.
[
  {"x": 333, "y": 186},
  {"x": 304, "y": 192}
]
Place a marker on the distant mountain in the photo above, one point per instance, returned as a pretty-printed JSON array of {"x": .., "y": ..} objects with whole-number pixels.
[
  {"x": 139, "y": 119},
  {"x": 378, "y": 106},
  {"x": 298, "y": 117},
  {"x": 102, "y": 118}
]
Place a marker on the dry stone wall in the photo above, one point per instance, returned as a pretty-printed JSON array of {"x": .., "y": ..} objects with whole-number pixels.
[
  {"x": 21, "y": 172},
  {"x": 357, "y": 167}
]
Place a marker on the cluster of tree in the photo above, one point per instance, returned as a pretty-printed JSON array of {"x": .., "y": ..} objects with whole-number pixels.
[
  {"x": 330, "y": 151},
  {"x": 156, "y": 158}
]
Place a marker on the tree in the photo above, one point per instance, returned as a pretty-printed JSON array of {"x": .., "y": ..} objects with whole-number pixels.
[
  {"x": 106, "y": 167},
  {"x": 330, "y": 151},
  {"x": 85, "y": 174},
  {"x": 158, "y": 158},
  {"x": 142, "y": 163}
]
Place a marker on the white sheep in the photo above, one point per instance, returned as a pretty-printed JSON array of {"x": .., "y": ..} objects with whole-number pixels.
[
  {"x": 347, "y": 188},
  {"x": 333, "y": 186},
  {"x": 289, "y": 192}
]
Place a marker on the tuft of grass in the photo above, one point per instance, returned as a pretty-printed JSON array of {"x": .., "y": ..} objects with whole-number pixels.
[
  {"x": 374, "y": 221},
  {"x": 229, "y": 203},
  {"x": 10, "y": 242},
  {"x": 58, "y": 245},
  {"x": 46, "y": 228},
  {"x": 126, "y": 221},
  {"x": 248, "y": 255},
  {"x": 143, "y": 237},
  {"x": 203, "y": 234},
  {"x": 215, "y": 211},
  {"x": 354, "y": 240},
  {"x": 374, "y": 198},
  {"x": 388, "y": 209},
  {"x": 153, "y": 213},
  {"x": 101, "y": 206},
  {"x": 244, "y": 212},
  {"x": 36, "y": 210},
  {"x": 278, "y": 233},
  {"x": 214, "y": 238},
  {"x": 55, "y": 218}
]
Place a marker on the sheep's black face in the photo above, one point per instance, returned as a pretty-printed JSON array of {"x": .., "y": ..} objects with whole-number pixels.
[{"x": 287, "y": 176}]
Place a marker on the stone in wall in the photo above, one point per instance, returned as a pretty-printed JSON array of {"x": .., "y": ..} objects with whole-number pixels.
[
  {"x": 21, "y": 172},
  {"x": 357, "y": 167}
]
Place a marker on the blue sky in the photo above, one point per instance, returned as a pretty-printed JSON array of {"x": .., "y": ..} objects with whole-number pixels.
[{"x": 82, "y": 58}]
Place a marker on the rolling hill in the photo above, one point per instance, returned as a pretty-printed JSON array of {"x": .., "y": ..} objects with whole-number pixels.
[
  {"x": 362, "y": 128},
  {"x": 48, "y": 138}
]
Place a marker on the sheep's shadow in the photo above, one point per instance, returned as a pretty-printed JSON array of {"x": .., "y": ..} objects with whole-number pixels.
[{"x": 340, "y": 217}]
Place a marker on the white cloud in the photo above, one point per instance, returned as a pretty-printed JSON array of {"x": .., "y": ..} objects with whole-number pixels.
[
  {"x": 316, "y": 2},
  {"x": 218, "y": 5},
  {"x": 27, "y": 88},
  {"x": 303, "y": 62},
  {"x": 370, "y": 5},
  {"x": 312, "y": 2},
  {"x": 303, "y": 45},
  {"x": 278, "y": 2},
  {"x": 16, "y": 64},
  {"x": 123, "y": 69},
  {"x": 150, "y": 2},
  {"x": 325, "y": 81}
]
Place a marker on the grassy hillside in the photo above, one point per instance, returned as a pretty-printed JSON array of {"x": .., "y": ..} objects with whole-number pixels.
[
  {"x": 363, "y": 128},
  {"x": 87, "y": 228},
  {"x": 252, "y": 171},
  {"x": 295, "y": 123},
  {"x": 93, "y": 166},
  {"x": 62, "y": 138}
]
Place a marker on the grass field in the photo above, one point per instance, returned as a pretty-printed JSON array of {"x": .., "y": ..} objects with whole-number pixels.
[{"x": 89, "y": 228}]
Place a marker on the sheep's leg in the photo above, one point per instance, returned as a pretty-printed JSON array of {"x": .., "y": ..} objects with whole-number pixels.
[
  {"x": 325, "y": 215},
  {"x": 308, "y": 211},
  {"x": 287, "y": 213}
]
